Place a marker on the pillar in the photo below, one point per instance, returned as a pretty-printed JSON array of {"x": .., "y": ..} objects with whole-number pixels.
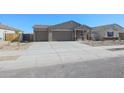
[
  {"x": 49, "y": 35},
  {"x": 75, "y": 36}
]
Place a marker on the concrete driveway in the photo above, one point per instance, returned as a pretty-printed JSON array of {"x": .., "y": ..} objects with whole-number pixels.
[
  {"x": 46, "y": 54},
  {"x": 52, "y": 53}
]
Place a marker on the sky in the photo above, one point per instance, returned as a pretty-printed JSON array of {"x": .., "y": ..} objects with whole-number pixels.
[{"x": 26, "y": 21}]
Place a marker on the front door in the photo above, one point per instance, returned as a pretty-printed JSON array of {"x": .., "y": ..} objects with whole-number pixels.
[{"x": 80, "y": 35}]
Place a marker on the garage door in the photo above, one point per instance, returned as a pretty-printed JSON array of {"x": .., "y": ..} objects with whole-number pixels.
[
  {"x": 41, "y": 36},
  {"x": 121, "y": 35},
  {"x": 62, "y": 36}
]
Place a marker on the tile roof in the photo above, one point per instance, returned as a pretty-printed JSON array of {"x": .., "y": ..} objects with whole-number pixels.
[
  {"x": 66, "y": 25},
  {"x": 83, "y": 27},
  {"x": 40, "y": 26},
  {"x": 109, "y": 26},
  {"x": 2, "y": 26}
]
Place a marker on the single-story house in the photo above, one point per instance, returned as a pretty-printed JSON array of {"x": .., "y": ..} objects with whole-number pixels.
[
  {"x": 71, "y": 31},
  {"x": 6, "y": 31},
  {"x": 67, "y": 31},
  {"x": 107, "y": 32}
]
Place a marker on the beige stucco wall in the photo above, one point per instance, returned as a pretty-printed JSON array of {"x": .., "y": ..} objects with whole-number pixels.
[{"x": 102, "y": 34}]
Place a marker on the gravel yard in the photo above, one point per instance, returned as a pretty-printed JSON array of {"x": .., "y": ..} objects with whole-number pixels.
[
  {"x": 11, "y": 51},
  {"x": 103, "y": 43},
  {"x": 8, "y": 46},
  {"x": 6, "y": 58}
]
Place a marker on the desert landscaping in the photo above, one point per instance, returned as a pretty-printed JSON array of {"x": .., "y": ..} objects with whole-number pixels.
[
  {"x": 7, "y": 46},
  {"x": 103, "y": 43}
]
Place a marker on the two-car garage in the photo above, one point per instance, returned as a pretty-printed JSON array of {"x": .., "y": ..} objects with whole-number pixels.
[{"x": 56, "y": 36}]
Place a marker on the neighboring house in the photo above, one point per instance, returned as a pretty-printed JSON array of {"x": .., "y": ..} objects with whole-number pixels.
[
  {"x": 6, "y": 30},
  {"x": 107, "y": 32},
  {"x": 67, "y": 31}
]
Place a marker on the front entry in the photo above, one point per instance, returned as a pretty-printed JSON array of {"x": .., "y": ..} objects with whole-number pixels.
[{"x": 81, "y": 35}]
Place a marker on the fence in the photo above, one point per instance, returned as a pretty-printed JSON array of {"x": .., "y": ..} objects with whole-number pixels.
[
  {"x": 28, "y": 37},
  {"x": 12, "y": 37}
]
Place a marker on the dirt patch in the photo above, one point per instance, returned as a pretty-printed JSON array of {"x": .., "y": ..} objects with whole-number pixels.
[
  {"x": 14, "y": 46},
  {"x": 103, "y": 43},
  {"x": 9, "y": 58}
]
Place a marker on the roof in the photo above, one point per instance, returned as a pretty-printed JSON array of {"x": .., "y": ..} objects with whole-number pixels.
[
  {"x": 66, "y": 25},
  {"x": 83, "y": 27},
  {"x": 61, "y": 30},
  {"x": 72, "y": 25},
  {"x": 109, "y": 26},
  {"x": 40, "y": 26},
  {"x": 2, "y": 26}
]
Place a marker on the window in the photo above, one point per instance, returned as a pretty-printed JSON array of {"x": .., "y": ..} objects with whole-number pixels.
[{"x": 110, "y": 34}]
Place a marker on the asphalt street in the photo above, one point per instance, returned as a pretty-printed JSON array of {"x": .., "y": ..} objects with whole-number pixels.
[{"x": 102, "y": 68}]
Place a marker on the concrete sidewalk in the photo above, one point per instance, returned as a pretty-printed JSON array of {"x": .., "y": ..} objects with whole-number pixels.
[{"x": 41, "y": 54}]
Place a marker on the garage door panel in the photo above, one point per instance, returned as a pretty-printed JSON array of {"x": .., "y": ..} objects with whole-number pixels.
[
  {"x": 62, "y": 36},
  {"x": 41, "y": 36}
]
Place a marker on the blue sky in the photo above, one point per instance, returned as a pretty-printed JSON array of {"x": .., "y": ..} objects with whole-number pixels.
[{"x": 26, "y": 21}]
